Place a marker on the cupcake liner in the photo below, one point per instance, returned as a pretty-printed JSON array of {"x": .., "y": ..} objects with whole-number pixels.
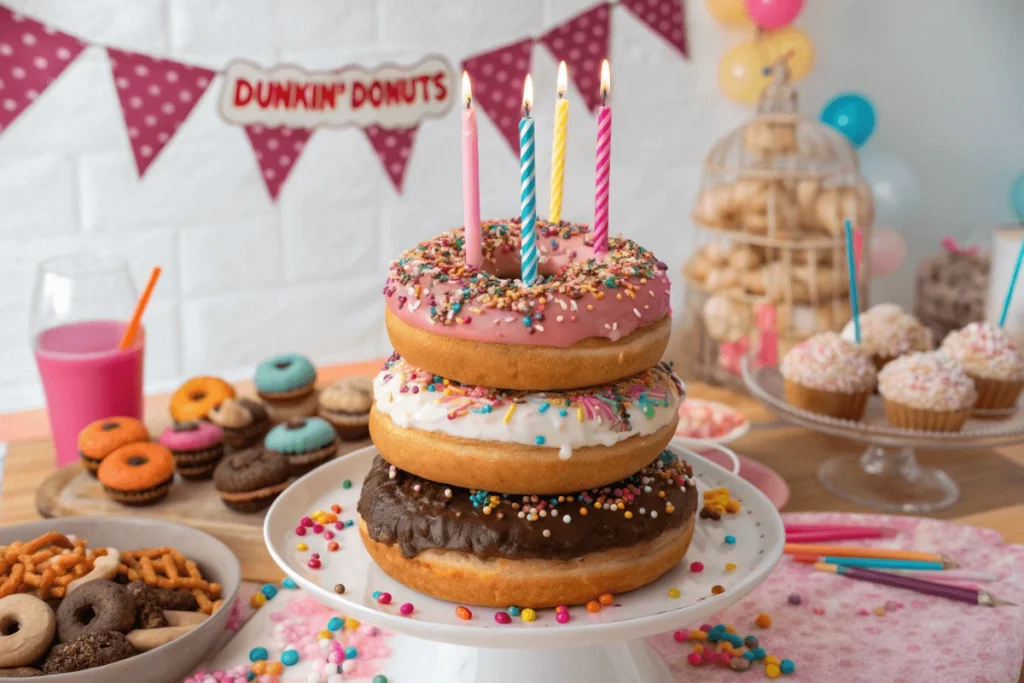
[
  {"x": 922, "y": 419},
  {"x": 996, "y": 394},
  {"x": 831, "y": 403}
]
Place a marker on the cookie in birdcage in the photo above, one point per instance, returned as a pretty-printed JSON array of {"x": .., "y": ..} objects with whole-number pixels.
[
  {"x": 727, "y": 318},
  {"x": 716, "y": 206},
  {"x": 767, "y": 208},
  {"x": 835, "y": 204},
  {"x": 771, "y": 135},
  {"x": 781, "y": 282}
]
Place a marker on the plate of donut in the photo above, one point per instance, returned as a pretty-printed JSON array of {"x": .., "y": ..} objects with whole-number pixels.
[
  {"x": 727, "y": 558},
  {"x": 111, "y": 598}
]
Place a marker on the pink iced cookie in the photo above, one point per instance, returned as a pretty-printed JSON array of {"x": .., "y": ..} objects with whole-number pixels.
[{"x": 197, "y": 448}]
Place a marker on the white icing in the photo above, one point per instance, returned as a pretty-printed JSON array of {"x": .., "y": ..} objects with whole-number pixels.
[{"x": 563, "y": 433}]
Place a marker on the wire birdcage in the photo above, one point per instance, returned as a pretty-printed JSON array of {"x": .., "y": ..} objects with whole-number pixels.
[{"x": 773, "y": 199}]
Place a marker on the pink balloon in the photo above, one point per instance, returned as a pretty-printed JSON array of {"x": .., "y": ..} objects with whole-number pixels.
[
  {"x": 773, "y": 14},
  {"x": 888, "y": 252}
]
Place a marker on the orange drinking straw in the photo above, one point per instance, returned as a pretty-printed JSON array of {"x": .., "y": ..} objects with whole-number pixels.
[{"x": 133, "y": 325}]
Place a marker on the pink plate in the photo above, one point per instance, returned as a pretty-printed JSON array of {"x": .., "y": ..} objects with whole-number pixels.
[{"x": 763, "y": 477}]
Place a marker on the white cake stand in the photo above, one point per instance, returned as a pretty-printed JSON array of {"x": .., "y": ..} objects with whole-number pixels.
[
  {"x": 887, "y": 475},
  {"x": 434, "y": 645}
]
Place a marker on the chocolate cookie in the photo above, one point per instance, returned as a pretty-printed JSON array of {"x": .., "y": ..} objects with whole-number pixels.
[
  {"x": 249, "y": 480},
  {"x": 94, "y": 608},
  {"x": 88, "y": 652},
  {"x": 148, "y": 613},
  {"x": 176, "y": 600}
]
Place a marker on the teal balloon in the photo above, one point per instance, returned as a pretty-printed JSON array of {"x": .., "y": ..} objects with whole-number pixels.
[
  {"x": 1017, "y": 197},
  {"x": 852, "y": 115}
]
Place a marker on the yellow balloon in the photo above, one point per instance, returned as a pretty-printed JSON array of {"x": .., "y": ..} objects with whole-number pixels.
[
  {"x": 729, "y": 11},
  {"x": 741, "y": 72},
  {"x": 793, "y": 40}
]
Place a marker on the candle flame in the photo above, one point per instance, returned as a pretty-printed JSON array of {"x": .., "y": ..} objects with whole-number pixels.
[
  {"x": 606, "y": 80},
  {"x": 528, "y": 94},
  {"x": 467, "y": 90},
  {"x": 563, "y": 80}
]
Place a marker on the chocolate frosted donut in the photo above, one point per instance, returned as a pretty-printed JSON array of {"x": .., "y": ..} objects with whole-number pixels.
[
  {"x": 95, "y": 607},
  {"x": 475, "y": 547},
  {"x": 583, "y": 322}
]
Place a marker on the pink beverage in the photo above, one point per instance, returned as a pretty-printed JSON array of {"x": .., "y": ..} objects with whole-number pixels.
[{"x": 87, "y": 378}]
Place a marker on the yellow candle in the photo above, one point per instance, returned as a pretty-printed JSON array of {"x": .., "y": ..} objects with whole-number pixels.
[{"x": 558, "y": 148}]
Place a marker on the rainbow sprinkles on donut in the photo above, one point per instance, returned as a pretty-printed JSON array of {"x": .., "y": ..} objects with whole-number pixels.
[{"x": 523, "y": 419}]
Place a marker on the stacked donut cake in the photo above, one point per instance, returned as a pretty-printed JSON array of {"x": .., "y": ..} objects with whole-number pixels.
[{"x": 522, "y": 429}]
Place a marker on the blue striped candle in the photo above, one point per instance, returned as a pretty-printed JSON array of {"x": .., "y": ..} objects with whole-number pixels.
[{"x": 527, "y": 190}]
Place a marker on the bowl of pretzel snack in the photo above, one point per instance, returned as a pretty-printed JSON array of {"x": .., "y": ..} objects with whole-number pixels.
[{"x": 111, "y": 598}]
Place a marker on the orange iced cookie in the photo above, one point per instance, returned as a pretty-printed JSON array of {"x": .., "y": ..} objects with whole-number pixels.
[
  {"x": 198, "y": 396},
  {"x": 137, "y": 474},
  {"x": 102, "y": 437}
]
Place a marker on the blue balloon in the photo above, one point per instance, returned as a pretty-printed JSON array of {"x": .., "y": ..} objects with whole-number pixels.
[
  {"x": 1017, "y": 197},
  {"x": 852, "y": 115}
]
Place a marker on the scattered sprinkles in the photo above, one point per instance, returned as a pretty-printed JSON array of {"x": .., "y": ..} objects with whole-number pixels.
[{"x": 718, "y": 502}]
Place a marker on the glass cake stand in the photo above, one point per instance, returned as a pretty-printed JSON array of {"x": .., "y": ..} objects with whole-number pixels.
[
  {"x": 887, "y": 476},
  {"x": 434, "y": 645}
]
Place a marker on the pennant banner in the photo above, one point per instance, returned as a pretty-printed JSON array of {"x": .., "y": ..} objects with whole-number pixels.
[
  {"x": 665, "y": 17},
  {"x": 582, "y": 42},
  {"x": 277, "y": 150},
  {"x": 393, "y": 147},
  {"x": 156, "y": 96},
  {"x": 497, "y": 77},
  {"x": 280, "y": 107},
  {"x": 31, "y": 57}
]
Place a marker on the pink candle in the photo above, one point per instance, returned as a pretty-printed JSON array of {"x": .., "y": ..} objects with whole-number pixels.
[
  {"x": 604, "y": 157},
  {"x": 470, "y": 178}
]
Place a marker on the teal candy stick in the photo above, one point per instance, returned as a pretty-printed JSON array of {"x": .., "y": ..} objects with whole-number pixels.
[
  {"x": 875, "y": 563},
  {"x": 852, "y": 271},
  {"x": 1013, "y": 285}
]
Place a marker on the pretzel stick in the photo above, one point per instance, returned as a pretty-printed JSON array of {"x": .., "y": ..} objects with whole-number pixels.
[
  {"x": 49, "y": 538},
  {"x": 193, "y": 570},
  {"x": 148, "y": 572},
  {"x": 13, "y": 582},
  {"x": 217, "y": 604},
  {"x": 169, "y": 567},
  {"x": 13, "y": 550},
  {"x": 26, "y": 560},
  {"x": 58, "y": 591},
  {"x": 46, "y": 584},
  {"x": 205, "y": 605}
]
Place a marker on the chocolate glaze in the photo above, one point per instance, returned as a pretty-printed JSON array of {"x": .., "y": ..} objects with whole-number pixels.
[{"x": 396, "y": 512}]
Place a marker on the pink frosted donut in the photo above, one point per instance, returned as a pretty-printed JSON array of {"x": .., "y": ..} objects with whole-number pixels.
[{"x": 584, "y": 322}]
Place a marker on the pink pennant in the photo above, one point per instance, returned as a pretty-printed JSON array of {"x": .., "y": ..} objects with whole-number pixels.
[
  {"x": 666, "y": 17},
  {"x": 277, "y": 149},
  {"x": 394, "y": 147},
  {"x": 156, "y": 96},
  {"x": 31, "y": 57},
  {"x": 497, "y": 78},
  {"x": 582, "y": 42}
]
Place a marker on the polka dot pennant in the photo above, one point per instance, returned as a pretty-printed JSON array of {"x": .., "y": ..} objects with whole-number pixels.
[
  {"x": 664, "y": 16},
  {"x": 497, "y": 78},
  {"x": 582, "y": 42},
  {"x": 277, "y": 149},
  {"x": 156, "y": 96},
  {"x": 31, "y": 57},
  {"x": 393, "y": 147}
]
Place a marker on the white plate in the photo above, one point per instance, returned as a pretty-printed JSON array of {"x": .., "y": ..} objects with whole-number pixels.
[
  {"x": 717, "y": 408},
  {"x": 758, "y": 548}
]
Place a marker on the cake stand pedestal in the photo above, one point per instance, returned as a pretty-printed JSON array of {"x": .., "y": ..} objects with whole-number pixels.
[
  {"x": 887, "y": 476},
  {"x": 433, "y": 645}
]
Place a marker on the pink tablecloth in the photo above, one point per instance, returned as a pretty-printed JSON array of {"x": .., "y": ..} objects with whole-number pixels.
[{"x": 927, "y": 639}]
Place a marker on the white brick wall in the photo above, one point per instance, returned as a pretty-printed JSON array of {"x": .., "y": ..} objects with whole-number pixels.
[{"x": 245, "y": 277}]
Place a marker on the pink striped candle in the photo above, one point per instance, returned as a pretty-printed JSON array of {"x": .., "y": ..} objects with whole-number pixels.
[
  {"x": 470, "y": 178},
  {"x": 604, "y": 158}
]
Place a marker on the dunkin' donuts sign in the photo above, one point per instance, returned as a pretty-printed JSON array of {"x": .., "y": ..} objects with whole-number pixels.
[{"x": 389, "y": 96}]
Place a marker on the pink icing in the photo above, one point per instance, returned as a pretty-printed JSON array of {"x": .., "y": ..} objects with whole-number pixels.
[
  {"x": 579, "y": 306},
  {"x": 205, "y": 435}
]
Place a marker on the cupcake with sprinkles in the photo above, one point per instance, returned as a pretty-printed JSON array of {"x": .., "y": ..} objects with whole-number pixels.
[
  {"x": 585, "y": 321},
  {"x": 926, "y": 391},
  {"x": 888, "y": 332},
  {"x": 990, "y": 358},
  {"x": 477, "y": 547},
  {"x": 286, "y": 384},
  {"x": 503, "y": 440},
  {"x": 305, "y": 443},
  {"x": 829, "y": 376}
]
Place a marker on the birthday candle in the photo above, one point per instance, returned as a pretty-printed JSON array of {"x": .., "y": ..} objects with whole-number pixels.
[
  {"x": 527, "y": 189},
  {"x": 558, "y": 148},
  {"x": 604, "y": 154},
  {"x": 470, "y": 178}
]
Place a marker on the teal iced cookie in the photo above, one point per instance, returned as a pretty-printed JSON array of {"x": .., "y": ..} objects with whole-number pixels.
[
  {"x": 284, "y": 376},
  {"x": 305, "y": 443}
]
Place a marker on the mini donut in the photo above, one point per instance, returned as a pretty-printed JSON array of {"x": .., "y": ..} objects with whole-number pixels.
[
  {"x": 198, "y": 396},
  {"x": 88, "y": 652},
  {"x": 95, "y": 607},
  {"x": 27, "y": 625},
  {"x": 584, "y": 322},
  {"x": 285, "y": 376},
  {"x": 472, "y": 547},
  {"x": 508, "y": 441},
  {"x": 305, "y": 443},
  {"x": 102, "y": 437},
  {"x": 137, "y": 474},
  {"x": 197, "y": 447}
]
